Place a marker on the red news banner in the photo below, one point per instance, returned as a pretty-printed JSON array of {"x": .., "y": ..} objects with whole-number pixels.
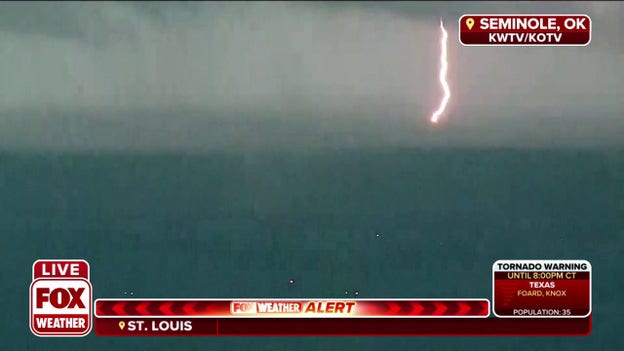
[
  {"x": 283, "y": 317},
  {"x": 525, "y": 30},
  {"x": 542, "y": 288}
]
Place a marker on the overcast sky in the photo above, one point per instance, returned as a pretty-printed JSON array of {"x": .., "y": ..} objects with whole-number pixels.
[{"x": 210, "y": 75}]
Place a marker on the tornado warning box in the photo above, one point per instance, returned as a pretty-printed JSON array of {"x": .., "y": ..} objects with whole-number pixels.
[
  {"x": 60, "y": 298},
  {"x": 541, "y": 288}
]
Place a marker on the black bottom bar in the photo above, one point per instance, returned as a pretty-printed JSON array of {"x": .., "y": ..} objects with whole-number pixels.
[{"x": 343, "y": 326}]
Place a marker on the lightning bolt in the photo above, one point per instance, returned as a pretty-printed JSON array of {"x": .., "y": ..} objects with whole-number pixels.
[{"x": 443, "y": 79}]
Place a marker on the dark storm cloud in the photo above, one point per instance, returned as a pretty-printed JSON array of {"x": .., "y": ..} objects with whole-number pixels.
[
  {"x": 45, "y": 18},
  {"x": 86, "y": 19},
  {"x": 458, "y": 8}
]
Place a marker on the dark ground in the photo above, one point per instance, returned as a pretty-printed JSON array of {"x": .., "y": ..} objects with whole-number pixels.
[{"x": 242, "y": 225}]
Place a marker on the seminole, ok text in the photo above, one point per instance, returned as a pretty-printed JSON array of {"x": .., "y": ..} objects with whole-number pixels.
[{"x": 532, "y": 30}]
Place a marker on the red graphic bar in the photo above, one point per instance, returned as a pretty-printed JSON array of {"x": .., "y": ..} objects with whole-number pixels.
[
  {"x": 525, "y": 30},
  {"x": 49, "y": 268},
  {"x": 566, "y": 298},
  {"x": 293, "y": 308},
  {"x": 341, "y": 327},
  {"x": 553, "y": 289}
]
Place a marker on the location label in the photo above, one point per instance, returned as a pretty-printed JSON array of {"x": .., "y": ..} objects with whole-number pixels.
[{"x": 525, "y": 30}]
